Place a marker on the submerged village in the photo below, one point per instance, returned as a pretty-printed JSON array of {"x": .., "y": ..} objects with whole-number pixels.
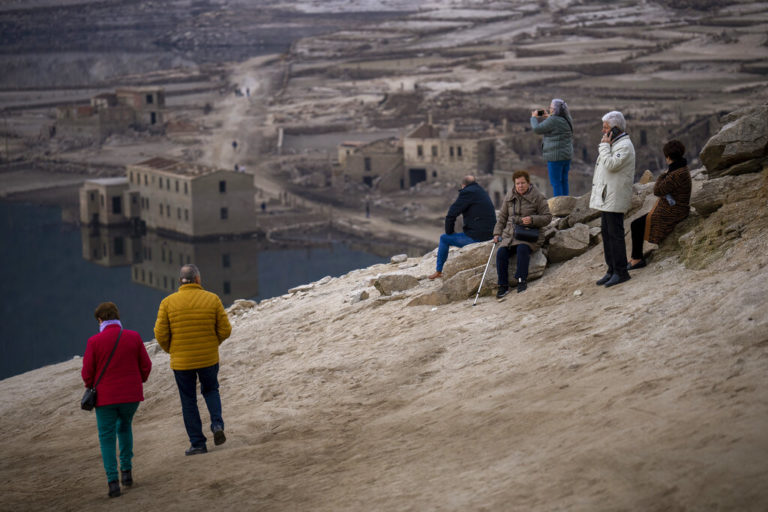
[{"x": 221, "y": 129}]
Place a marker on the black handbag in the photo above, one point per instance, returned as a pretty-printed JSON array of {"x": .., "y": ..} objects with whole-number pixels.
[
  {"x": 524, "y": 233},
  {"x": 88, "y": 402}
]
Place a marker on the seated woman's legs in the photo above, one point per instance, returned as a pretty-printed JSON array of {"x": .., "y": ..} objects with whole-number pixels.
[
  {"x": 502, "y": 266},
  {"x": 638, "y": 234},
  {"x": 521, "y": 270}
]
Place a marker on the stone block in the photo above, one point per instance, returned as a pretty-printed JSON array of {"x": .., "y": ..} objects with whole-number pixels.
[
  {"x": 467, "y": 257},
  {"x": 743, "y": 138},
  {"x": 398, "y": 258},
  {"x": 561, "y": 206},
  {"x": 395, "y": 282},
  {"x": 568, "y": 243}
]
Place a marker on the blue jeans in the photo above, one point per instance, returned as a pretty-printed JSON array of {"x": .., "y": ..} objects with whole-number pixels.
[
  {"x": 558, "y": 177},
  {"x": 186, "y": 380},
  {"x": 114, "y": 423},
  {"x": 502, "y": 263},
  {"x": 446, "y": 241}
]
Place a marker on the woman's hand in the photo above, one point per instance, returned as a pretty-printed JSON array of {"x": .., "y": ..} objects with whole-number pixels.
[
  {"x": 527, "y": 220},
  {"x": 496, "y": 239}
]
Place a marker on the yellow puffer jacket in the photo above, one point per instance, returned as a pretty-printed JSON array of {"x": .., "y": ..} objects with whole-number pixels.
[{"x": 191, "y": 324}]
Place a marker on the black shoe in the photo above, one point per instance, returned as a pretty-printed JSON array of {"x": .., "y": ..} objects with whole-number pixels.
[
  {"x": 218, "y": 436},
  {"x": 604, "y": 279},
  {"x": 503, "y": 291},
  {"x": 126, "y": 478},
  {"x": 639, "y": 264},
  {"x": 522, "y": 285},
  {"x": 617, "y": 279},
  {"x": 196, "y": 450},
  {"x": 114, "y": 489}
]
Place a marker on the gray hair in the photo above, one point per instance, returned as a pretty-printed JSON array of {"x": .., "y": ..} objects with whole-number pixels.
[
  {"x": 188, "y": 273},
  {"x": 616, "y": 119},
  {"x": 560, "y": 107}
]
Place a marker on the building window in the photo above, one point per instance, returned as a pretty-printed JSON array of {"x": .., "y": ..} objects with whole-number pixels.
[
  {"x": 161, "y": 209},
  {"x": 147, "y": 203},
  {"x": 117, "y": 205},
  {"x": 102, "y": 200},
  {"x": 434, "y": 174},
  {"x": 177, "y": 185},
  {"x": 168, "y": 183},
  {"x": 367, "y": 163},
  {"x": 458, "y": 151},
  {"x": 450, "y": 151},
  {"x": 165, "y": 281},
  {"x": 222, "y": 186},
  {"x": 186, "y": 214},
  {"x": 93, "y": 196},
  {"x": 142, "y": 276},
  {"x": 159, "y": 183},
  {"x": 119, "y": 246},
  {"x": 168, "y": 210},
  {"x": 151, "y": 277},
  {"x": 170, "y": 257},
  {"x": 130, "y": 176},
  {"x": 146, "y": 181},
  {"x": 420, "y": 150},
  {"x": 225, "y": 260},
  {"x": 178, "y": 213},
  {"x": 226, "y": 287},
  {"x": 185, "y": 188},
  {"x": 224, "y": 214},
  {"x": 434, "y": 151},
  {"x": 149, "y": 99}
]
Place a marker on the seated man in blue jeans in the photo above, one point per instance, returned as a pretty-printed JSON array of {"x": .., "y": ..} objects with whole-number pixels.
[{"x": 479, "y": 217}]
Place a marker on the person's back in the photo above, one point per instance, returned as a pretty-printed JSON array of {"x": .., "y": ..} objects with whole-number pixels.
[{"x": 191, "y": 324}]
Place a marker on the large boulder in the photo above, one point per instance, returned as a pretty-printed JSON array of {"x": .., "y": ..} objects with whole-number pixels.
[
  {"x": 561, "y": 206},
  {"x": 740, "y": 146},
  {"x": 716, "y": 192},
  {"x": 582, "y": 213},
  {"x": 469, "y": 256},
  {"x": 396, "y": 282},
  {"x": 568, "y": 243}
]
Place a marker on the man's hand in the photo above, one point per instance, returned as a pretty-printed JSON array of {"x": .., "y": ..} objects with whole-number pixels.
[{"x": 527, "y": 220}]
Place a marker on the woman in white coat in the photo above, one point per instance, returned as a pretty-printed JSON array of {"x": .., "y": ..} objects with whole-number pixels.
[{"x": 612, "y": 194}]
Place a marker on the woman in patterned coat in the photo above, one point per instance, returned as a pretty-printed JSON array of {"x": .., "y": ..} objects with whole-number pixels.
[{"x": 673, "y": 189}]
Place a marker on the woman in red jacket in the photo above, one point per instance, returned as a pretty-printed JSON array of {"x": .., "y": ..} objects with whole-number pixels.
[{"x": 120, "y": 390}]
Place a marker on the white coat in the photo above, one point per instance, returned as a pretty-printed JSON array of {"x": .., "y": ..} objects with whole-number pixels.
[{"x": 614, "y": 175}]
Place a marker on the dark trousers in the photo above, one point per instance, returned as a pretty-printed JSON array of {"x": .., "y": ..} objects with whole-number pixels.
[
  {"x": 502, "y": 263},
  {"x": 186, "y": 380},
  {"x": 638, "y": 234},
  {"x": 612, "y": 229}
]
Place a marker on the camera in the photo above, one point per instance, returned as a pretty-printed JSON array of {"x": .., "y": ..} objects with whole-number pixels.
[{"x": 540, "y": 113}]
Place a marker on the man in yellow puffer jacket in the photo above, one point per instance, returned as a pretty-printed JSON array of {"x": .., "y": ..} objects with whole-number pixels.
[{"x": 191, "y": 324}]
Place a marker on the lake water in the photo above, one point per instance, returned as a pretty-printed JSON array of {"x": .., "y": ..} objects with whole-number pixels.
[{"x": 54, "y": 275}]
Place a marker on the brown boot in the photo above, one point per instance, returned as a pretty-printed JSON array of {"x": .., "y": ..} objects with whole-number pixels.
[{"x": 436, "y": 275}]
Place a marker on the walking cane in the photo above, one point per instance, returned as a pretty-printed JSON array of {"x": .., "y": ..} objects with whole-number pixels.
[{"x": 484, "y": 271}]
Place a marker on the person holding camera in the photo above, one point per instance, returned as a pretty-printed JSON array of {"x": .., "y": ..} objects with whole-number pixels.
[
  {"x": 557, "y": 130},
  {"x": 121, "y": 356},
  {"x": 523, "y": 208},
  {"x": 612, "y": 194},
  {"x": 673, "y": 188}
]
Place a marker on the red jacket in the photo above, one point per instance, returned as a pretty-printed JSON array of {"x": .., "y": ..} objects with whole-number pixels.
[{"x": 129, "y": 367}]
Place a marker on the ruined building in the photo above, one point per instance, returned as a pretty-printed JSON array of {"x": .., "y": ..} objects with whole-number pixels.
[{"x": 140, "y": 108}]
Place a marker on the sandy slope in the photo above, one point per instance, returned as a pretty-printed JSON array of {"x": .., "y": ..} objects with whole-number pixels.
[{"x": 648, "y": 396}]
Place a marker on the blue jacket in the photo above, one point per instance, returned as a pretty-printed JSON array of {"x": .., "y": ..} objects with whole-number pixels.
[{"x": 477, "y": 210}]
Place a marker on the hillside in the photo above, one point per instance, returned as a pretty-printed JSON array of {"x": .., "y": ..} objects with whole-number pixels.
[{"x": 647, "y": 396}]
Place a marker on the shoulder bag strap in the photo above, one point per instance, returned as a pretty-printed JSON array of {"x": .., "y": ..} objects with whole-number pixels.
[
  {"x": 569, "y": 124},
  {"x": 108, "y": 359}
]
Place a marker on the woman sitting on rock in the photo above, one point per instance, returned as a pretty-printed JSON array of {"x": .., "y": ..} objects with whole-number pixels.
[
  {"x": 673, "y": 189},
  {"x": 523, "y": 206}
]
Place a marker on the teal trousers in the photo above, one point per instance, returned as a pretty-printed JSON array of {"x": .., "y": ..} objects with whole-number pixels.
[{"x": 114, "y": 422}]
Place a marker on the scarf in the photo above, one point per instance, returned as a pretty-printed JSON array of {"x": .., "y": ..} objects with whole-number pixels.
[{"x": 107, "y": 323}]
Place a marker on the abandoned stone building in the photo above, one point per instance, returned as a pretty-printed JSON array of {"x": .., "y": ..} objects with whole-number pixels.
[
  {"x": 426, "y": 154},
  {"x": 193, "y": 200},
  {"x": 140, "y": 108},
  {"x": 108, "y": 202},
  {"x": 378, "y": 163}
]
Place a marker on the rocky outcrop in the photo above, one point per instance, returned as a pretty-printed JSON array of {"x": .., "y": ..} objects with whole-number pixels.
[
  {"x": 562, "y": 206},
  {"x": 582, "y": 213},
  {"x": 741, "y": 145},
  {"x": 396, "y": 282},
  {"x": 716, "y": 192},
  {"x": 568, "y": 243}
]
